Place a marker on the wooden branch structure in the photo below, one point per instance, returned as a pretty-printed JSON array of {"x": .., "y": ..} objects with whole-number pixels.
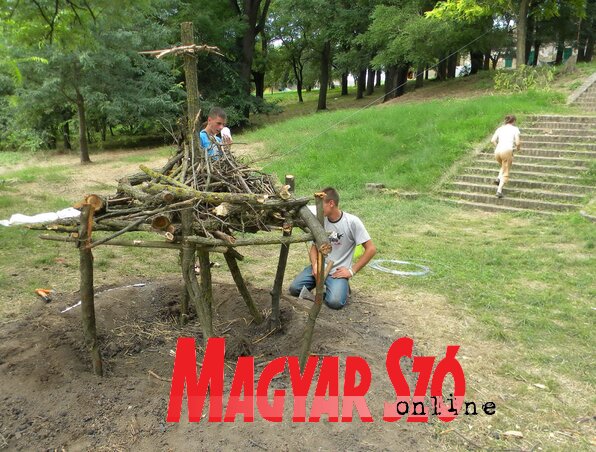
[{"x": 195, "y": 205}]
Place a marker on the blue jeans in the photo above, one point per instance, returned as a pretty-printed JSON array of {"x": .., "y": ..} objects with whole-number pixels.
[{"x": 336, "y": 293}]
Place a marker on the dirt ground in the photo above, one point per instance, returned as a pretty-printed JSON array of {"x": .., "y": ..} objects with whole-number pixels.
[{"x": 52, "y": 401}]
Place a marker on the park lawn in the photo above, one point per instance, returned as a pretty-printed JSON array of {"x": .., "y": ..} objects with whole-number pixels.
[
  {"x": 515, "y": 291},
  {"x": 404, "y": 146}
]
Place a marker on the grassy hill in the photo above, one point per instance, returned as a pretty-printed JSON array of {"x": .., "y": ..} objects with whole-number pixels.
[{"x": 514, "y": 290}]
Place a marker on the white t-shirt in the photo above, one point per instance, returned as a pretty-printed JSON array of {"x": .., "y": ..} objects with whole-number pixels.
[
  {"x": 344, "y": 235},
  {"x": 507, "y": 138}
]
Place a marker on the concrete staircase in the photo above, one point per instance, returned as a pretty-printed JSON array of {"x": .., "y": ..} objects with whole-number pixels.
[{"x": 550, "y": 174}]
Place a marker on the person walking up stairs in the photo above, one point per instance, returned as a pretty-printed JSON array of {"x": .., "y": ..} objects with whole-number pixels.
[{"x": 506, "y": 139}]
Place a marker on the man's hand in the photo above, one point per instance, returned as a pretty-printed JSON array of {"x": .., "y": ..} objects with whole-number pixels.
[{"x": 342, "y": 272}]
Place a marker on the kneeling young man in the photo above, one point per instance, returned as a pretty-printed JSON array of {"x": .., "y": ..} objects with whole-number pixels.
[{"x": 346, "y": 231}]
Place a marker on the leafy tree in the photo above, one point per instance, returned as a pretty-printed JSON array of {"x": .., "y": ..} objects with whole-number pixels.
[
  {"x": 92, "y": 63},
  {"x": 518, "y": 10}
]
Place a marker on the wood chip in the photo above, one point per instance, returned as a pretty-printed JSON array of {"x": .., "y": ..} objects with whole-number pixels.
[{"x": 513, "y": 434}]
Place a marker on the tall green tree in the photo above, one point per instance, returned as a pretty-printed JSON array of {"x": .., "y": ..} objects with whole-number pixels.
[
  {"x": 93, "y": 61},
  {"x": 517, "y": 9}
]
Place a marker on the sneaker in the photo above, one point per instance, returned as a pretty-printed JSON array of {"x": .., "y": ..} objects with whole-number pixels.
[
  {"x": 499, "y": 195},
  {"x": 496, "y": 181}
]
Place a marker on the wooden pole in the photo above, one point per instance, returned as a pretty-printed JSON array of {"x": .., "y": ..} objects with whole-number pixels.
[
  {"x": 281, "y": 267},
  {"x": 240, "y": 284},
  {"x": 86, "y": 288},
  {"x": 208, "y": 241},
  {"x": 316, "y": 228},
  {"x": 195, "y": 291},
  {"x": 206, "y": 287},
  {"x": 192, "y": 91},
  {"x": 316, "y": 307}
]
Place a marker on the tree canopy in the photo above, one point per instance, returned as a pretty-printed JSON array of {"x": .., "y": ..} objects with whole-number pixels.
[{"x": 69, "y": 66}]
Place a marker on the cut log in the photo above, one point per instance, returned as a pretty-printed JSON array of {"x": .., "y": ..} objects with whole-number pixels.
[{"x": 161, "y": 222}]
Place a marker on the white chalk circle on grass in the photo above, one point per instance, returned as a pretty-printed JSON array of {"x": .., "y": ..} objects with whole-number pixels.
[{"x": 380, "y": 264}]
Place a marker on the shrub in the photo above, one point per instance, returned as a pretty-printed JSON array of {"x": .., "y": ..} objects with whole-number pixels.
[{"x": 525, "y": 78}]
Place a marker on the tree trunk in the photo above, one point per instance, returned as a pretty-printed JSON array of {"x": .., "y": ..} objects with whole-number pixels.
[
  {"x": 419, "y": 76},
  {"x": 452, "y": 65},
  {"x": 83, "y": 145},
  {"x": 589, "y": 49},
  {"x": 324, "y": 78},
  {"x": 476, "y": 59},
  {"x": 249, "y": 16},
  {"x": 66, "y": 136},
  {"x": 536, "y": 52},
  {"x": 298, "y": 67},
  {"x": 529, "y": 38},
  {"x": 402, "y": 79},
  {"x": 370, "y": 81},
  {"x": 486, "y": 62},
  {"x": 259, "y": 78},
  {"x": 581, "y": 52},
  {"x": 378, "y": 82},
  {"x": 344, "y": 84},
  {"x": 361, "y": 85},
  {"x": 442, "y": 69},
  {"x": 560, "y": 50},
  {"x": 390, "y": 74},
  {"x": 104, "y": 129},
  {"x": 522, "y": 21}
]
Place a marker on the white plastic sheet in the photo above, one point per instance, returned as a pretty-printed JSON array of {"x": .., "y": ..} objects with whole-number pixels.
[{"x": 19, "y": 218}]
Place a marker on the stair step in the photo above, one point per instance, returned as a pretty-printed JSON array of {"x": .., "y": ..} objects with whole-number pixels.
[
  {"x": 519, "y": 192},
  {"x": 551, "y": 131},
  {"x": 523, "y": 166},
  {"x": 550, "y": 138},
  {"x": 524, "y": 183},
  {"x": 531, "y": 175},
  {"x": 546, "y": 143},
  {"x": 550, "y": 125},
  {"x": 562, "y": 161},
  {"x": 539, "y": 151},
  {"x": 492, "y": 207},
  {"x": 561, "y": 118},
  {"x": 510, "y": 202}
]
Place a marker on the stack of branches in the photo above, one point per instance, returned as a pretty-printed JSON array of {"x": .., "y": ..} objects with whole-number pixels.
[{"x": 225, "y": 195}]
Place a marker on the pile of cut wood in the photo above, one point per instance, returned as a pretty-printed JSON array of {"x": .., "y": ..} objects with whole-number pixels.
[{"x": 225, "y": 195}]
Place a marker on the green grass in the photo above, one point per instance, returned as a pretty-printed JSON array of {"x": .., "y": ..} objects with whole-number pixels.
[
  {"x": 529, "y": 280},
  {"x": 521, "y": 284},
  {"x": 404, "y": 146},
  {"x": 53, "y": 174},
  {"x": 13, "y": 158}
]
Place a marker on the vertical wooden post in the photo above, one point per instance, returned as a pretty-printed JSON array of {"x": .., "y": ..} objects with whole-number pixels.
[
  {"x": 192, "y": 92},
  {"x": 316, "y": 307},
  {"x": 184, "y": 303},
  {"x": 281, "y": 267},
  {"x": 195, "y": 291},
  {"x": 86, "y": 288},
  {"x": 206, "y": 287},
  {"x": 235, "y": 271}
]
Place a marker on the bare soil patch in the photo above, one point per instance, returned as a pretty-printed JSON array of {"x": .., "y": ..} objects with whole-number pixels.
[{"x": 52, "y": 400}]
